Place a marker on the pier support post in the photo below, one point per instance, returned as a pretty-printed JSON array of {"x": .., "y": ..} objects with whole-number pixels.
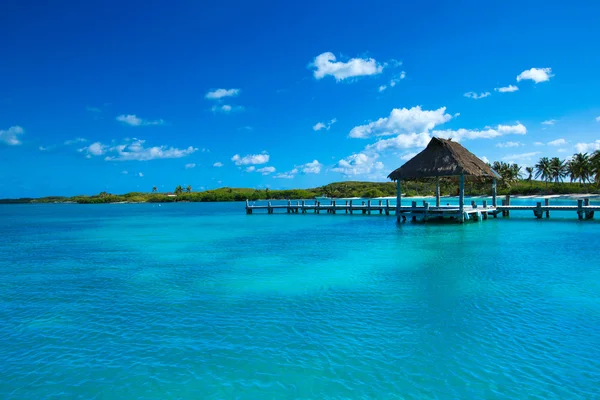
[
  {"x": 494, "y": 185},
  {"x": 289, "y": 207},
  {"x": 333, "y": 207},
  {"x": 485, "y": 204},
  {"x": 346, "y": 207},
  {"x": 269, "y": 208},
  {"x": 303, "y": 207},
  {"x": 547, "y": 204},
  {"x": 317, "y": 205},
  {"x": 369, "y": 207},
  {"x": 437, "y": 191},
  {"x": 589, "y": 214},
  {"x": 461, "y": 198},
  {"x": 387, "y": 207},
  {"x": 538, "y": 211},
  {"x": 398, "y": 199},
  {"x": 580, "y": 208},
  {"x": 508, "y": 204},
  {"x": 380, "y": 208},
  {"x": 350, "y": 207}
]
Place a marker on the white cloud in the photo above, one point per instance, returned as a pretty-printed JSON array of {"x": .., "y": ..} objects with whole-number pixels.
[
  {"x": 134, "y": 150},
  {"x": 190, "y": 166},
  {"x": 93, "y": 109},
  {"x": 285, "y": 175},
  {"x": 407, "y": 156},
  {"x": 42, "y": 148},
  {"x": 393, "y": 81},
  {"x": 557, "y": 142},
  {"x": 536, "y": 74},
  {"x": 218, "y": 164},
  {"x": 473, "y": 95},
  {"x": 538, "y": 144},
  {"x": 220, "y": 93},
  {"x": 597, "y": 119},
  {"x": 324, "y": 125},
  {"x": 124, "y": 172},
  {"x": 140, "y": 175},
  {"x": 266, "y": 170},
  {"x": 507, "y": 89},
  {"x": 313, "y": 167},
  {"x": 250, "y": 168},
  {"x": 10, "y": 136},
  {"x": 75, "y": 141},
  {"x": 358, "y": 164},
  {"x": 251, "y": 159},
  {"x": 485, "y": 159},
  {"x": 521, "y": 157},
  {"x": 562, "y": 150},
  {"x": 487, "y": 133},
  {"x": 133, "y": 120},
  {"x": 549, "y": 122},
  {"x": 226, "y": 108},
  {"x": 402, "y": 141},
  {"x": 325, "y": 64},
  {"x": 587, "y": 147},
  {"x": 509, "y": 144},
  {"x": 402, "y": 120}
]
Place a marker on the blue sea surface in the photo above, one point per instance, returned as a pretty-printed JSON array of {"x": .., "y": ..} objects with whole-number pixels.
[{"x": 201, "y": 301}]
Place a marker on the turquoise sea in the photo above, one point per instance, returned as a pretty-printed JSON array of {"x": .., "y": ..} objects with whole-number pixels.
[{"x": 200, "y": 301}]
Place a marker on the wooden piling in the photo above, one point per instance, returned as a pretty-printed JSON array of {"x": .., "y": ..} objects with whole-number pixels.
[
  {"x": 538, "y": 211},
  {"x": 580, "y": 208},
  {"x": 350, "y": 206},
  {"x": 369, "y": 207},
  {"x": 380, "y": 208},
  {"x": 333, "y": 207},
  {"x": 387, "y": 207},
  {"x": 547, "y": 204}
]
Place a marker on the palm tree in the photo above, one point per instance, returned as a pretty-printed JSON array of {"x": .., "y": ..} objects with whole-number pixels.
[
  {"x": 154, "y": 189},
  {"x": 580, "y": 168},
  {"x": 188, "y": 189},
  {"x": 543, "y": 169},
  {"x": 529, "y": 171},
  {"x": 178, "y": 189},
  {"x": 595, "y": 166},
  {"x": 558, "y": 169}
]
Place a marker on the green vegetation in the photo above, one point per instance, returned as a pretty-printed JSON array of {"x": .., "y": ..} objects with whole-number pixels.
[{"x": 582, "y": 170}]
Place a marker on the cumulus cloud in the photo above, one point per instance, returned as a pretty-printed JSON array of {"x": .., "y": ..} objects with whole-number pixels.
[
  {"x": 487, "y": 133},
  {"x": 473, "y": 95},
  {"x": 313, "y": 167},
  {"x": 485, "y": 159},
  {"x": 557, "y": 142},
  {"x": 507, "y": 89},
  {"x": 218, "y": 164},
  {"x": 587, "y": 147},
  {"x": 220, "y": 93},
  {"x": 324, "y": 125},
  {"x": 407, "y": 156},
  {"x": 402, "y": 120},
  {"x": 251, "y": 159},
  {"x": 326, "y": 64},
  {"x": 266, "y": 170},
  {"x": 133, "y": 120},
  {"x": 538, "y": 144},
  {"x": 10, "y": 136},
  {"x": 134, "y": 150},
  {"x": 190, "y": 166},
  {"x": 402, "y": 141},
  {"x": 509, "y": 144},
  {"x": 359, "y": 164},
  {"x": 536, "y": 74},
  {"x": 549, "y": 122},
  {"x": 250, "y": 168}
]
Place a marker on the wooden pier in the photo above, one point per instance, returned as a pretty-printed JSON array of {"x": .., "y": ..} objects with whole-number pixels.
[{"x": 424, "y": 211}]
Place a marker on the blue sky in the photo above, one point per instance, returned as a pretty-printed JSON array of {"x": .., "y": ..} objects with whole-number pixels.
[{"x": 124, "y": 96}]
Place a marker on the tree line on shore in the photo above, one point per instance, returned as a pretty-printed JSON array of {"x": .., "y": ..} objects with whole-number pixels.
[{"x": 579, "y": 174}]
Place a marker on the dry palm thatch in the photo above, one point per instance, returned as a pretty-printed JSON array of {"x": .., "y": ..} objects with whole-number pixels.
[{"x": 443, "y": 157}]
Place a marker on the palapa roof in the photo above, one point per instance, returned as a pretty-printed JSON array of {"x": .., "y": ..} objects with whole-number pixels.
[{"x": 443, "y": 157}]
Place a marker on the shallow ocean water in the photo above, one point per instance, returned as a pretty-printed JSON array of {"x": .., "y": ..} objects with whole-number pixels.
[{"x": 189, "y": 301}]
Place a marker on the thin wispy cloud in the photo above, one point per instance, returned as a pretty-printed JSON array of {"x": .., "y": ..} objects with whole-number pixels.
[
  {"x": 221, "y": 93},
  {"x": 93, "y": 109},
  {"x": 74, "y": 141},
  {"x": 133, "y": 120},
  {"x": 393, "y": 82},
  {"x": 506, "y": 89},
  {"x": 549, "y": 122},
  {"x": 218, "y": 164},
  {"x": 134, "y": 150},
  {"x": 557, "y": 142},
  {"x": 324, "y": 125},
  {"x": 190, "y": 166},
  {"x": 226, "y": 108},
  {"x": 473, "y": 95},
  {"x": 509, "y": 144},
  {"x": 251, "y": 159}
]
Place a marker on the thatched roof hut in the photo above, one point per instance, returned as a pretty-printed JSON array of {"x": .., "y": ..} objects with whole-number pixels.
[{"x": 443, "y": 157}]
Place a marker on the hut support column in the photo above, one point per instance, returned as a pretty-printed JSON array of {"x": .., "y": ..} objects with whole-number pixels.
[
  {"x": 437, "y": 192},
  {"x": 398, "y": 199},
  {"x": 494, "y": 192},
  {"x": 461, "y": 198}
]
